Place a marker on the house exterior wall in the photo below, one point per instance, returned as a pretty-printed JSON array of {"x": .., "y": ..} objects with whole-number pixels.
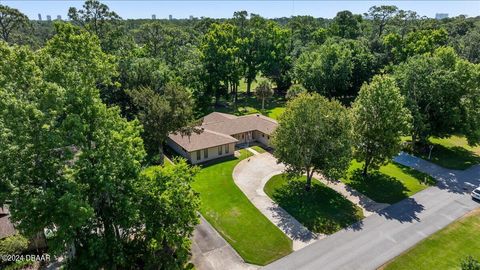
[
  {"x": 177, "y": 148},
  {"x": 262, "y": 138},
  {"x": 244, "y": 137},
  {"x": 213, "y": 153}
]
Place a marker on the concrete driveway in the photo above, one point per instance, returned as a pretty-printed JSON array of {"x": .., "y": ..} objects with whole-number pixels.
[
  {"x": 386, "y": 234},
  {"x": 251, "y": 175},
  {"x": 211, "y": 252}
]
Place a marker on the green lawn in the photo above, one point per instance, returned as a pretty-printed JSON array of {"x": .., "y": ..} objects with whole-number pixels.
[
  {"x": 250, "y": 104},
  {"x": 259, "y": 149},
  {"x": 444, "y": 249},
  {"x": 392, "y": 183},
  {"x": 453, "y": 153},
  {"x": 321, "y": 210},
  {"x": 232, "y": 214}
]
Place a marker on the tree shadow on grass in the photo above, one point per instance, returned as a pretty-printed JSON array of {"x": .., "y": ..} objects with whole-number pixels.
[
  {"x": 378, "y": 187},
  {"x": 457, "y": 158},
  {"x": 321, "y": 210}
]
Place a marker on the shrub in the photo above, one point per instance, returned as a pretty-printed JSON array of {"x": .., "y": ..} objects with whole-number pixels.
[
  {"x": 15, "y": 244},
  {"x": 470, "y": 263}
]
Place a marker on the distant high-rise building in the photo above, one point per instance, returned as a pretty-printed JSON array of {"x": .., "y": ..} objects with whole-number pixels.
[
  {"x": 191, "y": 17},
  {"x": 170, "y": 17},
  {"x": 154, "y": 17},
  {"x": 59, "y": 17},
  {"x": 39, "y": 16},
  {"x": 440, "y": 16},
  {"x": 49, "y": 18}
]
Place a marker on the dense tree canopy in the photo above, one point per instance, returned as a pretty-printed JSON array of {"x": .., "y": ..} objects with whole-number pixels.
[
  {"x": 86, "y": 104},
  {"x": 314, "y": 135},
  {"x": 74, "y": 164},
  {"x": 442, "y": 94},
  {"x": 10, "y": 20},
  {"x": 379, "y": 120}
]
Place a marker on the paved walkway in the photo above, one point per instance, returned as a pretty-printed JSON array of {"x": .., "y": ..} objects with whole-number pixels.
[
  {"x": 211, "y": 252},
  {"x": 386, "y": 234},
  {"x": 251, "y": 175},
  {"x": 368, "y": 205},
  {"x": 253, "y": 151}
]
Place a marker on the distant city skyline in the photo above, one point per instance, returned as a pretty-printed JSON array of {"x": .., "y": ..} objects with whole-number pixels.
[{"x": 224, "y": 9}]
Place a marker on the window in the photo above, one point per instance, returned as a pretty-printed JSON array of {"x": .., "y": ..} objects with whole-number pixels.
[
  {"x": 220, "y": 150},
  {"x": 227, "y": 148},
  {"x": 242, "y": 136},
  {"x": 198, "y": 155},
  {"x": 205, "y": 153},
  {"x": 263, "y": 135},
  {"x": 268, "y": 137}
]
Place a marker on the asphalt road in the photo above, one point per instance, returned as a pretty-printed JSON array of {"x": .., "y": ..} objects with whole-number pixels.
[{"x": 389, "y": 232}]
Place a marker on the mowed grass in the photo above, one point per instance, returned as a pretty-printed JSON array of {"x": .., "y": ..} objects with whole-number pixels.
[
  {"x": 390, "y": 184},
  {"x": 321, "y": 210},
  {"x": 274, "y": 106},
  {"x": 452, "y": 153},
  {"x": 259, "y": 149},
  {"x": 445, "y": 249},
  {"x": 232, "y": 214}
]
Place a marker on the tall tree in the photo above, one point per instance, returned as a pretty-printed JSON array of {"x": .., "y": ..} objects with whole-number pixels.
[
  {"x": 10, "y": 19},
  {"x": 220, "y": 50},
  {"x": 249, "y": 42},
  {"x": 75, "y": 164},
  {"x": 442, "y": 94},
  {"x": 161, "y": 113},
  {"x": 169, "y": 211},
  {"x": 326, "y": 69},
  {"x": 381, "y": 16},
  {"x": 380, "y": 118},
  {"x": 314, "y": 135},
  {"x": 276, "y": 55},
  {"x": 346, "y": 25},
  {"x": 164, "y": 41},
  {"x": 97, "y": 18},
  {"x": 263, "y": 91}
]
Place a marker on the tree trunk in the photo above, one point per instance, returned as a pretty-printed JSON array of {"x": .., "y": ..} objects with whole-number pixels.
[
  {"x": 160, "y": 154},
  {"x": 249, "y": 85},
  {"x": 263, "y": 103},
  {"x": 365, "y": 167},
  {"x": 308, "y": 184},
  {"x": 235, "y": 97}
]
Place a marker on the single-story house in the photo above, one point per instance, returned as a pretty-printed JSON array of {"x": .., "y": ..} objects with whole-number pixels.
[{"x": 220, "y": 134}]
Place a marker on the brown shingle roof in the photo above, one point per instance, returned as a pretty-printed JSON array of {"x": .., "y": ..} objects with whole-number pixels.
[
  {"x": 6, "y": 226},
  {"x": 206, "y": 139},
  {"x": 243, "y": 124},
  {"x": 217, "y": 117},
  {"x": 218, "y": 128}
]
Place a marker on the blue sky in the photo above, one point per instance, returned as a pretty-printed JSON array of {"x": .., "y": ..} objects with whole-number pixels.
[{"x": 222, "y": 9}]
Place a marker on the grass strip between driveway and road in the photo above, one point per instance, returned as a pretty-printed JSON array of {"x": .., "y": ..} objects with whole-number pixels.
[
  {"x": 444, "y": 249},
  {"x": 451, "y": 153},
  {"x": 225, "y": 206},
  {"x": 390, "y": 184},
  {"x": 321, "y": 210}
]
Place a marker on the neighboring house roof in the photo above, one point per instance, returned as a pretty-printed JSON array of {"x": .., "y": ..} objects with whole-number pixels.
[
  {"x": 205, "y": 139},
  {"x": 6, "y": 227},
  {"x": 218, "y": 128}
]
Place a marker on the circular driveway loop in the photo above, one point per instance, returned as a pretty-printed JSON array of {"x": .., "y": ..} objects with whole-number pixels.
[{"x": 251, "y": 175}]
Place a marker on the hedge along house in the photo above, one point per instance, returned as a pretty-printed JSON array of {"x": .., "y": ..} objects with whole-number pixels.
[{"x": 221, "y": 133}]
